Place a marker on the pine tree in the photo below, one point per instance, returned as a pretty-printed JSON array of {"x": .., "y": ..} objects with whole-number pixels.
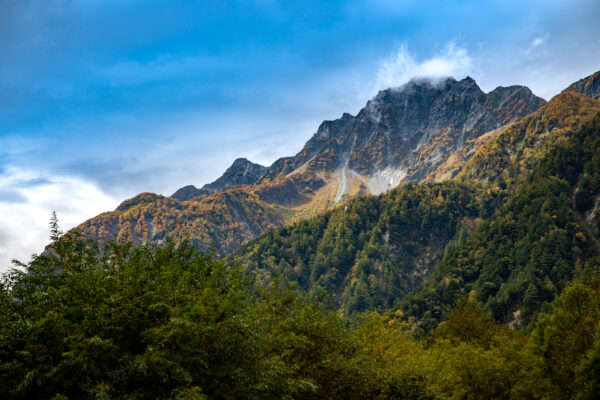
[{"x": 55, "y": 232}]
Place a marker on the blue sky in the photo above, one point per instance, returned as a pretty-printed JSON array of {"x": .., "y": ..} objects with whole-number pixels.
[{"x": 101, "y": 100}]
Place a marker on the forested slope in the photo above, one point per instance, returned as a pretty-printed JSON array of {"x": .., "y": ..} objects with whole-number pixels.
[
  {"x": 522, "y": 257},
  {"x": 370, "y": 252}
]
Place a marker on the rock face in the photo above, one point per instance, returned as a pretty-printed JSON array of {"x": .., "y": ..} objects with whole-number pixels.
[
  {"x": 403, "y": 134},
  {"x": 189, "y": 192},
  {"x": 589, "y": 86},
  {"x": 241, "y": 172}
]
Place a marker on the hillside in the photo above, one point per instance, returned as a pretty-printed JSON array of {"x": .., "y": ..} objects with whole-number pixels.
[
  {"x": 402, "y": 135},
  {"x": 370, "y": 252},
  {"x": 523, "y": 256},
  {"x": 223, "y": 220},
  {"x": 509, "y": 155}
]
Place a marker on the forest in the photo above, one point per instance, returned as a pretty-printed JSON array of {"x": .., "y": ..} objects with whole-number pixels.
[{"x": 170, "y": 322}]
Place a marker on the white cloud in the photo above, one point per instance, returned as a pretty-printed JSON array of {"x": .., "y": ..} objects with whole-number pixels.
[
  {"x": 24, "y": 216},
  {"x": 537, "y": 43},
  {"x": 401, "y": 66}
]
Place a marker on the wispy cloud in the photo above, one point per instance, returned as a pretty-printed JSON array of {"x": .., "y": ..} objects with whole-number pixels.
[
  {"x": 402, "y": 65},
  {"x": 537, "y": 43},
  {"x": 26, "y": 203}
]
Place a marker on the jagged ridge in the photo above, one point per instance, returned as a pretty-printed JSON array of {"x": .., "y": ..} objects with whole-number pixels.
[{"x": 431, "y": 124}]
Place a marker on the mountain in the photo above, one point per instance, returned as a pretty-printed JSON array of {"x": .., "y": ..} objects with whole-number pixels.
[
  {"x": 241, "y": 172},
  {"x": 404, "y": 134},
  {"x": 371, "y": 252},
  {"x": 590, "y": 86}
]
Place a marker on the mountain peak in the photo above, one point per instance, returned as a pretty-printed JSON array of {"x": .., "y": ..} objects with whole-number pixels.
[
  {"x": 145, "y": 197},
  {"x": 242, "y": 162},
  {"x": 416, "y": 124},
  {"x": 241, "y": 172},
  {"x": 189, "y": 192},
  {"x": 429, "y": 85},
  {"x": 589, "y": 86}
]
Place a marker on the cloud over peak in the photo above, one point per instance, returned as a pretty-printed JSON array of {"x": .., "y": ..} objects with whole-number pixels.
[{"x": 401, "y": 66}]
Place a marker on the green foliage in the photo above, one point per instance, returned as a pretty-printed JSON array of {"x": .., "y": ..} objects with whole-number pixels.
[
  {"x": 567, "y": 340},
  {"x": 173, "y": 323},
  {"x": 469, "y": 323},
  {"x": 164, "y": 322},
  {"x": 521, "y": 258},
  {"x": 373, "y": 250},
  {"x": 458, "y": 362}
]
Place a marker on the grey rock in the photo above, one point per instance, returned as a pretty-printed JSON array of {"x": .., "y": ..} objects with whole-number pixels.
[
  {"x": 241, "y": 172},
  {"x": 398, "y": 127},
  {"x": 589, "y": 86},
  {"x": 190, "y": 192}
]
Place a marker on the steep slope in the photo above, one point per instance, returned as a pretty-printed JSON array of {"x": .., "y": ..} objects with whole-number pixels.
[
  {"x": 371, "y": 251},
  {"x": 508, "y": 155},
  {"x": 590, "y": 86},
  {"x": 223, "y": 220},
  {"x": 402, "y": 135},
  {"x": 521, "y": 258},
  {"x": 525, "y": 143}
]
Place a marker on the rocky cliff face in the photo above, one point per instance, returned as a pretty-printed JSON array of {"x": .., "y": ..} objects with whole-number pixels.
[
  {"x": 589, "y": 86},
  {"x": 403, "y": 134}
]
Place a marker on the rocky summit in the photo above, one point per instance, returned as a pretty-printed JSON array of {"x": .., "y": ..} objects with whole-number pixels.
[
  {"x": 241, "y": 172},
  {"x": 405, "y": 133}
]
